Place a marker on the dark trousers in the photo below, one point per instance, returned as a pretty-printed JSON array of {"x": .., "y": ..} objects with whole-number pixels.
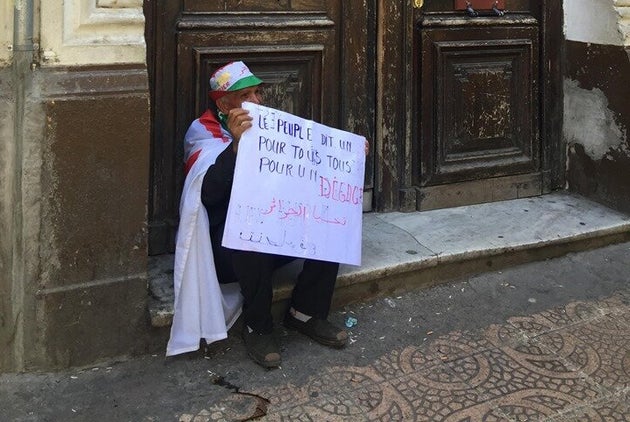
[{"x": 312, "y": 293}]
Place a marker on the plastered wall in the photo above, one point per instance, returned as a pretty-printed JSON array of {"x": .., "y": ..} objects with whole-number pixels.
[{"x": 596, "y": 106}]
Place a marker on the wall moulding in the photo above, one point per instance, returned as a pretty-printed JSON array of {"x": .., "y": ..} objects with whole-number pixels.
[
  {"x": 82, "y": 32},
  {"x": 63, "y": 83}
]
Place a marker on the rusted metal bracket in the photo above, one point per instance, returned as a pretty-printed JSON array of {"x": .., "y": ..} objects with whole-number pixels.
[
  {"x": 495, "y": 9},
  {"x": 471, "y": 12},
  {"x": 473, "y": 7}
]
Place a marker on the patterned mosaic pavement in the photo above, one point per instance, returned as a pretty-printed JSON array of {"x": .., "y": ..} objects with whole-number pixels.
[{"x": 565, "y": 364}]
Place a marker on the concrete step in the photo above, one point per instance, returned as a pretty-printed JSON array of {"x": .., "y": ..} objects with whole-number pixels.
[{"x": 404, "y": 251}]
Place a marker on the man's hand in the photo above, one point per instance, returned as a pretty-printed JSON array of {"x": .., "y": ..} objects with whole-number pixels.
[{"x": 238, "y": 121}]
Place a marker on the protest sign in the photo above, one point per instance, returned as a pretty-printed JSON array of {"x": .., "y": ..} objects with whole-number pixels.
[{"x": 297, "y": 190}]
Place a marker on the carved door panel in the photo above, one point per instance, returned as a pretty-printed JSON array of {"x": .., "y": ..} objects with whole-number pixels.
[
  {"x": 479, "y": 103},
  {"x": 298, "y": 47}
]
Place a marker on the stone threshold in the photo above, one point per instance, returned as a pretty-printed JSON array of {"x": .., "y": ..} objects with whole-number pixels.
[{"x": 405, "y": 251}]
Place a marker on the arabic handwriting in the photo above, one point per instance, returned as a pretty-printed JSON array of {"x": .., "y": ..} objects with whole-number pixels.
[
  {"x": 287, "y": 210},
  {"x": 302, "y": 245}
]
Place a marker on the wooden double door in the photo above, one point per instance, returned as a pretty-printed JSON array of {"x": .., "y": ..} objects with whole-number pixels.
[
  {"x": 480, "y": 96},
  {"x": 459, "y": 109}
]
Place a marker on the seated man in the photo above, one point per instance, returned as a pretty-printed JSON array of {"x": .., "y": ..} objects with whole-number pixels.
[{"x": 211, "y": 145}]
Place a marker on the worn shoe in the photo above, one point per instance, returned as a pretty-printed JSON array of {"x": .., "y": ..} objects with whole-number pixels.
[
  {"x": 262, "y": 348},
  {"x": 319, "y": 330}
]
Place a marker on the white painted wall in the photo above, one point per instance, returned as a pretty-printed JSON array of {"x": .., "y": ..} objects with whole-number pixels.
[
  {"x": 589, "y": 121},
  {"x": 6, "y": 31},
  {"x": 85, "y": 32},
  {"x": 597, "y": 21}
]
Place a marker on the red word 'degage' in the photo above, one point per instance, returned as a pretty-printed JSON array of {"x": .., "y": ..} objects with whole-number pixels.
[{"x": 340, "y": 191}]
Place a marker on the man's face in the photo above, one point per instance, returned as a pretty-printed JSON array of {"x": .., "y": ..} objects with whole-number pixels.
[{"x": 235, "y": 99}]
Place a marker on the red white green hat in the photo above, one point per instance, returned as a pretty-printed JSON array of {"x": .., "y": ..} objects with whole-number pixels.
[{"x": 231, "y": 77}]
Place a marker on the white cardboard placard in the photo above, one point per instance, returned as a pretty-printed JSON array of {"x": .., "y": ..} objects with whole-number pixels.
[{"x": 297, "y": 190}]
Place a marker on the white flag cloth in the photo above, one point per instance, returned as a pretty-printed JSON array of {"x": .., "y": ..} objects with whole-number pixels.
[{"x": 203, "y": 307}]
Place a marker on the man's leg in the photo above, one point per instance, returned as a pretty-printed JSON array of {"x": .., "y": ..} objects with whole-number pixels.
[
  {"x": 310, "y": 304},
  {"x": 253, "y": 271},
  {"x": 314, "y": 289}
]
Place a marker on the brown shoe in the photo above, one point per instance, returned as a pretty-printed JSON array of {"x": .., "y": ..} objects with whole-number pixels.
[
  {"x": 262, "y": 348},
  {"x": 319, "y": 330}
]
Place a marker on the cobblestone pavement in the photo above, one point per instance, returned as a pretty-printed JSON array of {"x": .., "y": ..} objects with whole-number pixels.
[
  {"x": 546, "y": 341},
  {"x": 564, "y": 364}
]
